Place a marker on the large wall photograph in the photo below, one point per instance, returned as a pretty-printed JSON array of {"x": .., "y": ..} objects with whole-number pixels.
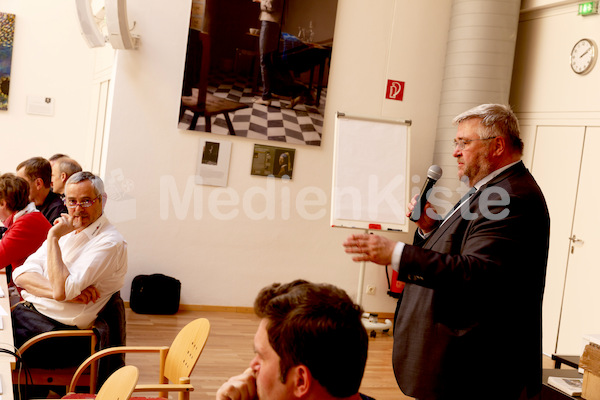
[{"x": 223, "y": 86}]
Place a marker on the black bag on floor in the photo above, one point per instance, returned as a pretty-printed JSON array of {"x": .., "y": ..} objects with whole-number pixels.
[{"x": 155, "y": 294}]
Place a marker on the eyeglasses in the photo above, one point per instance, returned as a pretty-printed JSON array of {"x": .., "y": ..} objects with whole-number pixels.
[
  {"x": 461, "y": 143},
  {"x": 71, "y": 203}
]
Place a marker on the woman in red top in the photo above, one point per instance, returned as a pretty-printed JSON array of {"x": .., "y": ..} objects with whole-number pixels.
[{"x": 27, "y": 227}]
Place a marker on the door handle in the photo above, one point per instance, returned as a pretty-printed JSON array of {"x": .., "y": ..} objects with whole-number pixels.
[{"x": 575, "y": 241}]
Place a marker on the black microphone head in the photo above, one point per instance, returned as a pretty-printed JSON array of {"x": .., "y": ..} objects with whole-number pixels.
[{"x": 434, "y": 172}]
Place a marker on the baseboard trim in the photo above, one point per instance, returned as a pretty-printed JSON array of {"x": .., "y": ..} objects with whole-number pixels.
[
  {"x": 383, "y": 316},
  {"x": 245, "y": 310},
  {"x": 197, "y": 307}
]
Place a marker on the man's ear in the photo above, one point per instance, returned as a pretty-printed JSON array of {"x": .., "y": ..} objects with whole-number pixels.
[
  {"x": 302, "y": 380},
  {"x": 499, "y": 146},
  {"x": 63, "y": 176},
  {"x": 39, "y": 183},
  {"x": 104, "y": 198}
]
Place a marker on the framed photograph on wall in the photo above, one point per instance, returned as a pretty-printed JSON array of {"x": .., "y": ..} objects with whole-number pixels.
[
  {"x": 273, "y": 161},
  {"x": 7, "y": 32},
  {"x": 213, "y": 162}
]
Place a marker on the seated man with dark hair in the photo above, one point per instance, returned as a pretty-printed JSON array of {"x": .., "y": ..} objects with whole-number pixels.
[
  {"x": 310, "y": 344},
  {"x": 38, "y": 173}
]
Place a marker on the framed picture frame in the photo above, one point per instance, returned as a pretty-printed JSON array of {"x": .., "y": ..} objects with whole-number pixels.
[
  {"x": 7, "y": 31},
  {"x": 213, "y": 162},
  {"x": 273, "y": 161},
  {"x": 296, "y": 110}
]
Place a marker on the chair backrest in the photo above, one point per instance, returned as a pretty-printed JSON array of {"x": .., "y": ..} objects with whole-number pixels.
[
  {"x": 186, "y": 349},
  {"x": 111, "y": 329},
  {"x": 120, "y": 385}
]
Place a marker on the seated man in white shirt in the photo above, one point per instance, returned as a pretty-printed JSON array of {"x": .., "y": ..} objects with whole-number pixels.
[{"x": 72, "y": 276}]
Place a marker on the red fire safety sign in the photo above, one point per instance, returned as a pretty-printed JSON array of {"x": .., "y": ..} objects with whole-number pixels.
[{"x": 395, "y": 90}]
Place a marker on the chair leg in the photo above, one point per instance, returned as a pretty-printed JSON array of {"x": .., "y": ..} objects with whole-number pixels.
[
  {"x": 208, "y": 127},
  {"x": 229, "y": 124},
  {"x": 194, "y": 122},
  {"x": 320, "y": 83}
]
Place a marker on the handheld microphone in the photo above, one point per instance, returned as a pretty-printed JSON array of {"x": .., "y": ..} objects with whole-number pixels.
[{"x": 433, "y": 174}]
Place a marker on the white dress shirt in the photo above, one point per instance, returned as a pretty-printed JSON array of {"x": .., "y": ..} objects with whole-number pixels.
[{"x": 95, "y": 256}]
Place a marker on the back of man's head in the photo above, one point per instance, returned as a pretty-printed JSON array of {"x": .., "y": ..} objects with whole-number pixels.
[
  {"x": 14, "y": 191},
  {"x": 56, "y": 156},
  {"x": 37, "y": 167},
  {"x": 68, "y": 166},
  {"x": 319, "y": 326}
]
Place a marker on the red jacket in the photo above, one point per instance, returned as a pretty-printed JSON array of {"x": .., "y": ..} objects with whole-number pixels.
[{"x": 22, "y": 238}]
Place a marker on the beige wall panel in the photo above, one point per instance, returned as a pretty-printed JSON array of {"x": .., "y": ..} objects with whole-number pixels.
[{"x": 558, "y": 181}]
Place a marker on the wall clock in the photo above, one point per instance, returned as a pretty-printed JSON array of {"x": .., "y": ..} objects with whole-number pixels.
[{"x": 583, "y": 56}]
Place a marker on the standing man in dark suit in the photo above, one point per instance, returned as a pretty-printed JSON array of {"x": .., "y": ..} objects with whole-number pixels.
[{"x": 469, "y": 325}]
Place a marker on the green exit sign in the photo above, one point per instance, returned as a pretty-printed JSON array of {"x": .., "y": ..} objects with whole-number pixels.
[{"x": 588, "y": 8}]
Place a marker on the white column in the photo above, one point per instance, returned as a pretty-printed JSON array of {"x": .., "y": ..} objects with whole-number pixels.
[{"x": 479, "y": 64}]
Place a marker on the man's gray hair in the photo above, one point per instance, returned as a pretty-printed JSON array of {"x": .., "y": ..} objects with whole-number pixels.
[
  {"x": 68, "y": 166},
  {"x": 496, "y": 120},
  {"x": 79, "y": 177}
]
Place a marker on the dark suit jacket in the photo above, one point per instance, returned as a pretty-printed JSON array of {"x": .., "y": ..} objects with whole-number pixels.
[
  {"x": 469, "y": 325},
  {"x": 52, "y": 207}
]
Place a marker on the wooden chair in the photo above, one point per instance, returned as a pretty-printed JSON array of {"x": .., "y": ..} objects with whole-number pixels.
[
  {"x": 175, "y": 362},
  {"x": 113, "y": 314},
  {"x": 58, "y": 376},
  {"x": 119, "y": 386},
  {"x": 201, "y": 103},
  {"x": 571, "y": 361}
]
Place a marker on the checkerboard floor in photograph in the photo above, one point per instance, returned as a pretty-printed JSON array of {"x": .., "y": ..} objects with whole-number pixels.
[{"x": 301, "y": 125}]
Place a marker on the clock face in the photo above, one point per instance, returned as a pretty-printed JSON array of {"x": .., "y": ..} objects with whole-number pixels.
[{"x": 583, "y": 56}]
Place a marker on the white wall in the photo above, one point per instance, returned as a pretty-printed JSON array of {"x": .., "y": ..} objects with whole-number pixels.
[
  {"x": 221, "y": 260},
  {"x": 50, "y": 59},
  {"x": 543, "y": 81},
  {"x": 225, "y": 261}
]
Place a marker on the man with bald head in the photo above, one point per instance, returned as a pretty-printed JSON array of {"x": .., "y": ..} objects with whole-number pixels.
[{"x": 62, "y": 169}]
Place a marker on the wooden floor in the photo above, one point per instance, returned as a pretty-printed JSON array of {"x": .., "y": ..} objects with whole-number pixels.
[{"x": 229, "y": 351}]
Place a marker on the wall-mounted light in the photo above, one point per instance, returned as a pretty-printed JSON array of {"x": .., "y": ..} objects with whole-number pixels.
[
  {"x": 90, "y": 23},
  {"x": 104, "y": 21},
  {"x": 119, "y": 34}
]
